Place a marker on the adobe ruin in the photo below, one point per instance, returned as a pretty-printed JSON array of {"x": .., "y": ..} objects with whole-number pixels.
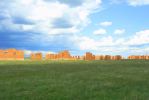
[
  {"x": 62, "y": 55},
  {"x": 36, "y": 56},
  {"x": 11, "y": 54}
]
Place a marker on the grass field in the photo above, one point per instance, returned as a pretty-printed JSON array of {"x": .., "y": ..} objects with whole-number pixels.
[{"x": 74, "y": 80}]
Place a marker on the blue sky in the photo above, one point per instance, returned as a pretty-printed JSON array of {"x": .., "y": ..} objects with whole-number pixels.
[{"x": 99, "y": 26}]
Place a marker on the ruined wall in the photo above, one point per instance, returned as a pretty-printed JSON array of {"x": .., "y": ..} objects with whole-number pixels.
[
  {"x": 147, "y": 57},
  {"x": 63, "y": 55},
  {"x": 75, "y": 58},
  {"x": 139, "y": 57},
  {"x": 99, "y": 57},
  {"x": 36, "y": 56},
  {"x": 89, "y": 56},
  {"x": 107, "y": 57},
  {"x": 19, "y": 55},
  {"x": 51, "y": 56},
  {"x": 117, "y": 57},
  {"x": 11, "y": 54}
]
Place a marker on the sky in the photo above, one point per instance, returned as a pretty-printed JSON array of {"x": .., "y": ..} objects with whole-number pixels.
[{"x": 113, "y": 27}]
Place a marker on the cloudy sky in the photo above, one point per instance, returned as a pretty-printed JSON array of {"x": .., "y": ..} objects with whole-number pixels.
[{"x": 99, "y": 26}]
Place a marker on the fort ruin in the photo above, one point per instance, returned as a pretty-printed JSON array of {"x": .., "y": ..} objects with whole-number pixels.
[
  {"x": 11, "y": 54},
  {"x": 36, "y": 56}
]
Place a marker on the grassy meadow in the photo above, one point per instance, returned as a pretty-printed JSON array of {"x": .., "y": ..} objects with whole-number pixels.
[{"x": 74, "y": 80}]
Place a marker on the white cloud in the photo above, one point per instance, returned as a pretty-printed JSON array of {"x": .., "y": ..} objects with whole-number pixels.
[
  {"x": 116, "y": 1},
  {"x": 100, "y": 32},
  {"x": 140, "y": 38},
  {"x": 111, "y": 45},
  {"x": 131, "y": 2},
  {"x": 45, "y": 23},
  {"x": 44, "y": 13},
  {"x": 41, "y": 18},
  {"x": 27, "y": 52},
  {"x": 138, "y": 2},
  {"x": 87, "y": 43},
  {"x": 106, "y": 23},
  {"x": 119, "y": 31}
]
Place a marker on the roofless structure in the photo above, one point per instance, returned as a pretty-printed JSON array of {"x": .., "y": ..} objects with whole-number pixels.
[{"x": 11, "y": 54}]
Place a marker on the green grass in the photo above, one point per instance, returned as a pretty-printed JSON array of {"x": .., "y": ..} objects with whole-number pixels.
[{"x": 74, "y": 80}]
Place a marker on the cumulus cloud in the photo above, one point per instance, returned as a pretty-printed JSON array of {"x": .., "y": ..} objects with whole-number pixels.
[
  {"x": 131, "y": 2},
  {"x": 138, "y": 2},
  {"x": 106, "y": 23},
  {"x": 88, "y": 43},
  {"x": 54, "y": 24},
  {"x": 110, "y": 45},
  {"x": 48, "y": 15},
  {"x": 140, "y": 38},
  {"x": 43, "y": 23},
  {"x": 100, "y": 32},
  {"x": 116, "y": 1},
  {"x": 119, "y": 31}
]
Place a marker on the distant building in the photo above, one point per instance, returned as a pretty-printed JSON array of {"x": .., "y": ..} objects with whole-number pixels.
[
  {"x": 147, "y": 57},
  {"x": 107, "y": 57},
  {"x": 89, "y": 56},
  {"x": 63, "y": 55},
  {"x": 76, "y": 57},
  {"x": 138, "y": 57},
  {"x": 99, "y": 57},
  {"x": 11, "y": 54},
  {"x": 117, "y": 57},
  {"x": 82, "y": 57},
  {"x": 51, "y": 56},
  {"x": 36, "y": 56}
]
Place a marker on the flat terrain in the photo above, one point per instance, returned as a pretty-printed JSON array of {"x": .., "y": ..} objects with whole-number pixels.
[{"x": 74, "y": 80}]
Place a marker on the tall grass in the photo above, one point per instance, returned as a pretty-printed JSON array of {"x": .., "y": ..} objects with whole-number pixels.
[{"x": 74, "y": 80}]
